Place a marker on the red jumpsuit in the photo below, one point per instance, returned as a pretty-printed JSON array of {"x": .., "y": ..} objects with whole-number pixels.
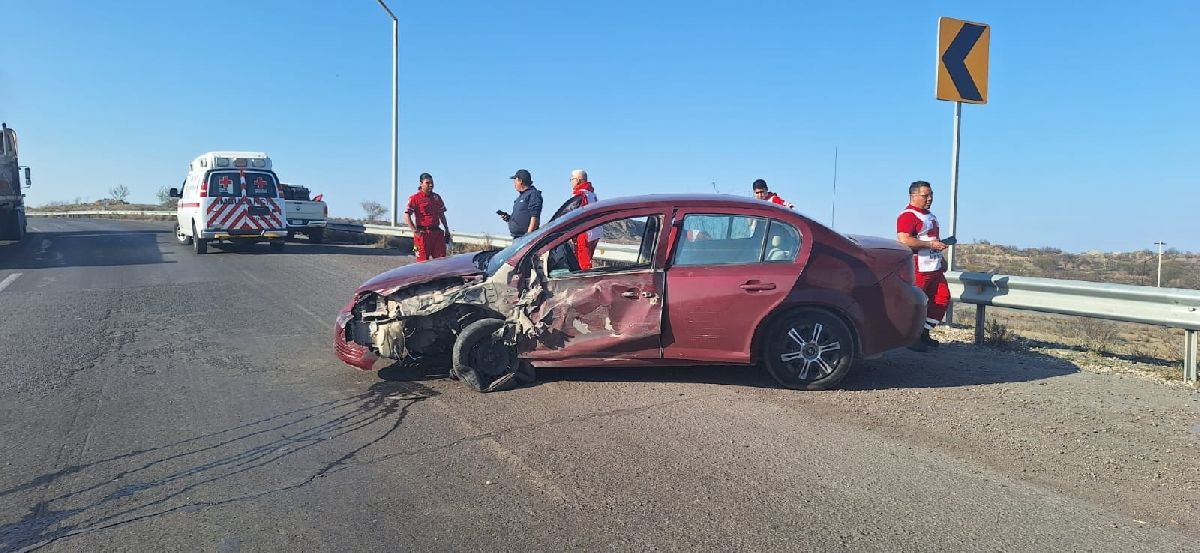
[{"x": 428, "y": 239}]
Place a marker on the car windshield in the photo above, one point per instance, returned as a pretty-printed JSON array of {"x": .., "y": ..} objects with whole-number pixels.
[{"x": 502, "y": 256}]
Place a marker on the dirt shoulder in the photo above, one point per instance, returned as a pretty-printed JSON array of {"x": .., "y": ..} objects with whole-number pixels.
[{"x": 1099, "y": 431}]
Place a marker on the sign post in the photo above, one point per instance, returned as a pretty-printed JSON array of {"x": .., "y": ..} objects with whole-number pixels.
[{"x": 962, "y": 76}]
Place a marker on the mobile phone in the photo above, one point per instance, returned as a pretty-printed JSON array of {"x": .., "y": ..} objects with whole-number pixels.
[
  {"x": 500, "y": 212},
  {"x": 949, "y": 240}
]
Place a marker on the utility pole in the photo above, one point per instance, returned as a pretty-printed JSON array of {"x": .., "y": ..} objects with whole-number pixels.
[
  {"x": 1160, "y": 245},
  {"x": 833, "y": 214},
  {"x": 395, "y": 106}
]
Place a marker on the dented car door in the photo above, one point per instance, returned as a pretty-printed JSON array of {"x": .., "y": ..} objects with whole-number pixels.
[{"x": 613, "y": 310}]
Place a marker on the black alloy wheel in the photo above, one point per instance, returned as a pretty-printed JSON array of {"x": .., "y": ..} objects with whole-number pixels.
[{"x": 809, "y": 349}]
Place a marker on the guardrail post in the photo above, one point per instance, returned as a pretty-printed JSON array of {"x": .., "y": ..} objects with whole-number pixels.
[
  {"x": 1189, "y": 356},
  {"x": 980, "y": 320}
]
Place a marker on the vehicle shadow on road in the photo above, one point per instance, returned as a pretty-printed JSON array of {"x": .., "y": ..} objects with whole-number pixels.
[
  {"x": 93, "y": 248},
  {"x": 237, "y": 464},
  {"x": 953, "y": 365},
  {"x": 724, "y": 375}
]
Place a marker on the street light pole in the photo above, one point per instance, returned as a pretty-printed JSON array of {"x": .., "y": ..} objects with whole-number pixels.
[
  {"x": 395, "y": 105},
  {"x": 1160, "y": 245}
]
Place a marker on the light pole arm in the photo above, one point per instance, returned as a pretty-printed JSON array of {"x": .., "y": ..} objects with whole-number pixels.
[{"x": 386, "y": 9}]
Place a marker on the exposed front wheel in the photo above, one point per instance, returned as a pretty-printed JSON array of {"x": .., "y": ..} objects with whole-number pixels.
[
  {"x": 809, "y": 349},
  {"x": 482, "y": 359}
]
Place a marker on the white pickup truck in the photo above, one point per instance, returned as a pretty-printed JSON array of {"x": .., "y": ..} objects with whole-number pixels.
[{"x": 304, "y": 215}]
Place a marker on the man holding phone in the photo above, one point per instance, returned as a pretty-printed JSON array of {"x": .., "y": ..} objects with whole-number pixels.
[
  {"x": 527, "y": 208},
  {"x": 917, "y": 228}
]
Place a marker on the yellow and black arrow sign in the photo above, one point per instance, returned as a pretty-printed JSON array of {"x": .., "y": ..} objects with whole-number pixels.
[{"x": 962, "y": 67}]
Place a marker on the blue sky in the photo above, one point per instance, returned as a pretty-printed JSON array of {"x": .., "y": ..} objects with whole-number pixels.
[{"x": 1089, "y": 140}]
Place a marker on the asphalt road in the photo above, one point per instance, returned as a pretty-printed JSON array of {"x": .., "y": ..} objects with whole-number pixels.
[{"x": 152, "y": 399}]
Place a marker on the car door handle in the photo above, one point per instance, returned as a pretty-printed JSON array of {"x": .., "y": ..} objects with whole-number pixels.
[
  {"x": 630, "y": 293},
  {"x": 756, "y": 286}
]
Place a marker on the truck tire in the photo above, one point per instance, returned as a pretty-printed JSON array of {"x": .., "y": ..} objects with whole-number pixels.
[
  {"x": 316, "y": 236},
  {"x": 199, "y": 245},
  {"x": 8, "y": 224}
]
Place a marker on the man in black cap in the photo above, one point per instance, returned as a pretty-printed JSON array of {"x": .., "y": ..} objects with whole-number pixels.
[{"x": 527, "y": 208}]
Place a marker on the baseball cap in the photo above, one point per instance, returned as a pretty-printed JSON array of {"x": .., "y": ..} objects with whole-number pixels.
[{"x": 523, "y": 175}]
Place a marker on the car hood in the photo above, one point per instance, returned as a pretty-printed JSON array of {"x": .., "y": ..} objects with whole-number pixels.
[{"x": 419, "y": 273}]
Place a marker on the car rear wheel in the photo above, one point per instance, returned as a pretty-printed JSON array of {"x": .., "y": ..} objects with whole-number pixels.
[
  {"x": 316, "y": 236},
  {"x": 809, "y": 349},
  {"x": 184, "y": 240},
  {"x": 200, "y": 245},
  {"x": 277, "y": 245},
  {"x": 482, "y": 359}
]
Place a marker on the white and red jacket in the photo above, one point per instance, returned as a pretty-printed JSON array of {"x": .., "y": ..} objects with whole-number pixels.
[
  {"x": 587, "y": 195},
  {"x": 922, "y": 224},
  {"x": 775, "y": 199}
]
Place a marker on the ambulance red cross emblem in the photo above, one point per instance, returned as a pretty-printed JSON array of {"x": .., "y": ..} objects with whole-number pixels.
[
  {"x": 226, "y": 181},
  {"x": 260, "y": 183}
]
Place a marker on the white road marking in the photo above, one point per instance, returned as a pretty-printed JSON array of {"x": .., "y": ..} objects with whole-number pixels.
[{"x": 8, "y": 280}]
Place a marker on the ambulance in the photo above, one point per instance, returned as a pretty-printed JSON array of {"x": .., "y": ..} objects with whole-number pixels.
[{"x": 230, "y": 196}]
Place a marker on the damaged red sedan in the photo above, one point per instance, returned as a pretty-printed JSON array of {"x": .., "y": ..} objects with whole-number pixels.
[{"x": 677, "y": 280}]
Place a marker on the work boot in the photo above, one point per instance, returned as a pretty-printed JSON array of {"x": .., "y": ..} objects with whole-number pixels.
[
  {"x": 928, "y": 340},
  {"x": 919, "y": 345}
]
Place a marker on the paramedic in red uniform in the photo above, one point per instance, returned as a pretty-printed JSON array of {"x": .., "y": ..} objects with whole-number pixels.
[
  {"x": 917, "y": 228},
  {"x": 761, "y": 192},
  {"x": 585, "y": 244},
  {"x": 428, "y": 238}
]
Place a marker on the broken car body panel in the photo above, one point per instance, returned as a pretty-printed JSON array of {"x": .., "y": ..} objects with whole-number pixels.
[{"x": 710, "y": 274}]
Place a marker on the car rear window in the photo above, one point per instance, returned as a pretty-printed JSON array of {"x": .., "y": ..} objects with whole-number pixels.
[{"x": 236, "y": 183}]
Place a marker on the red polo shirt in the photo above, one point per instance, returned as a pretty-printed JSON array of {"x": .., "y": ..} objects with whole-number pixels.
[{"x": 427, "y": 209}]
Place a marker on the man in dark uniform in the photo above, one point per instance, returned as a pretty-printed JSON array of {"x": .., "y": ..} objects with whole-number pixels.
[{"x": 527, "y": 208}]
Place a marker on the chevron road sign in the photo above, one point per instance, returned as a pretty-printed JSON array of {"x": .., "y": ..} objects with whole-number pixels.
[{"x": 962, "y": 64}]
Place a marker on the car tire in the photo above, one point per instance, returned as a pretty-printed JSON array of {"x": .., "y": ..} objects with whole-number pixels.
[
  {"x": 183, "y": 239},
  {"x": 199, "y": 245},
  {"x": 808, "y": 349},
  {"x": 483, "y": 361},
  {"x": 277, "y": 245},
  {"x": 316, "y": 236}
]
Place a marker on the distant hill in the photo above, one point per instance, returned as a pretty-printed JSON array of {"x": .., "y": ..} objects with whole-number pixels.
[{"x": 1179, "y": 270}]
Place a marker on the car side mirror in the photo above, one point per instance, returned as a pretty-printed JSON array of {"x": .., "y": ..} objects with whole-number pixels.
[
  {"x": 174, "y": 193},
  {"x": 28, "y": 183}
]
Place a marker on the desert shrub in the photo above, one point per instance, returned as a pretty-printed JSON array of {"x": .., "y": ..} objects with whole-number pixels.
[{"x": 998, "y": 335}]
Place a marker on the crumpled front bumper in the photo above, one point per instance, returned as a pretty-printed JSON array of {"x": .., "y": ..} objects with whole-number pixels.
[{"x": 349, "y": 352}]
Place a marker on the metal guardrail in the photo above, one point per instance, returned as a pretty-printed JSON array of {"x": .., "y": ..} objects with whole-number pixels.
[
  {"x": 1168, "y": 307},
  {"x": 97, "y": 212}
]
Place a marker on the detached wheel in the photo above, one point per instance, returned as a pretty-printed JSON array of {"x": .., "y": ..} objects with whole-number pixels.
[
  {"x": 183, "y": 239},
  {"x": 316, "y": 236},
  {"x": 200, "y": 245},
  {"x": 482, "y": 360},
  {"x": 809, "y": 349}
]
